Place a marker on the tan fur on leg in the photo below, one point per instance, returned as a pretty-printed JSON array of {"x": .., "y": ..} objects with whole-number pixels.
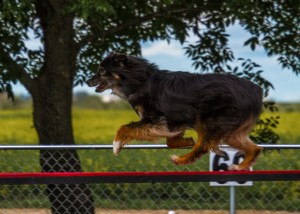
[
  {"x": 241, "y": 141},
  {"x": 198, "y": 150},
  {"x": 179, "y": 142},
  {"x": 251, "y": 152},
  {"x": 141, "y": 131}
]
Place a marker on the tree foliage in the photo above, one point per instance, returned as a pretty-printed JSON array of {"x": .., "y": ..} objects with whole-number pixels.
[
  {"x": 74, "y": 35},
  {"x": 115, "y": 25},
  {"x": 102, "y": 26}
]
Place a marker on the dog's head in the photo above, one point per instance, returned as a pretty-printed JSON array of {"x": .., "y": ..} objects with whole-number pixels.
[
  {"x": 108, "y": 74},
  {"x": 126, "y": 75}
]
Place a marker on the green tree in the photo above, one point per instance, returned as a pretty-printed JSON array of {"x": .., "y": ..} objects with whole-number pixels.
[{"x": 75, "y": 35}]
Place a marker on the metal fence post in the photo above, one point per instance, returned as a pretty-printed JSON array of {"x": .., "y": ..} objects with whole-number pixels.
[{"x": 232, "y": 200}]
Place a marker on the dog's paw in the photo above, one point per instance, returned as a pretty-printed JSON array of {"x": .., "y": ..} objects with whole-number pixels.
[
  {"x": 179, "y": 161},
  {"x": 182, "y": 160},
  {"x": 235, "y": 167},
  {"x": 117, "y": 147},
  {"x": 174, "y": 159}
]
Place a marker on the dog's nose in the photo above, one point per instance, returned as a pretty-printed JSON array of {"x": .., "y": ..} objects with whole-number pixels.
[{"x": 88, "y": 82}]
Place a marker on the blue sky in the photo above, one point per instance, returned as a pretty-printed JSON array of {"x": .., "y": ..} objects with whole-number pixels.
[
  {"x": 285, "y": 82},
  {"x": 171, "y": 56}
]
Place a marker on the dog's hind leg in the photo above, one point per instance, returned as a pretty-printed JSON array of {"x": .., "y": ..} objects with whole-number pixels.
[
  {"x": 179, "y": 142},
  {"x": 141, "y": 131},
  {"x": 250, "y": 149},
  {"x": 241, "y": 141},
  {"x": 198, "y": 150}
]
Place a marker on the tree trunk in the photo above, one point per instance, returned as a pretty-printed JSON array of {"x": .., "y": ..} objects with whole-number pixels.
[
  {"x": 52, "y": 104},
  {"x": 52, "y": 119}
]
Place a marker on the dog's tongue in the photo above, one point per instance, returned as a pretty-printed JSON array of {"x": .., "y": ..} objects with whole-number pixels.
[{"x": 101, "y": 86}]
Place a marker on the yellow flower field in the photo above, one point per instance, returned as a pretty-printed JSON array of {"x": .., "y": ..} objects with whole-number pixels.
[{"x": 99, "y": 126}]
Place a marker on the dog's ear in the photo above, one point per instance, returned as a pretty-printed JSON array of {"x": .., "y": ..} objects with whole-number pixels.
[
  {"x": 120, "y": 59},
  {"x": 111, "y": 54}
]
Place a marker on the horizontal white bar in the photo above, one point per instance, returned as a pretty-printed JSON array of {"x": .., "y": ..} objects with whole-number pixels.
[{"x": 135, "y": 146}]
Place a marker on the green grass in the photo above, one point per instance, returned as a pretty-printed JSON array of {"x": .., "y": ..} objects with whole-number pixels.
[
  {"x": 17, "y": 127},
  {"x": 288, "y": 128},
  {"x": 100, "y": 126},
  {"x": 90, "y": 126}
]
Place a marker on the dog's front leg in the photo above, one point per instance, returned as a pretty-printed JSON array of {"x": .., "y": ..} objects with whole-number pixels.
[
  {"x": 179, "y": 141},
  {"x": 124, "y": 135},
  {"x": 140, "y": 131}
]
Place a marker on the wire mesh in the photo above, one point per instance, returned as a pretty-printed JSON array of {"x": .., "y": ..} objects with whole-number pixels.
[{"x": 281, "y": 196}]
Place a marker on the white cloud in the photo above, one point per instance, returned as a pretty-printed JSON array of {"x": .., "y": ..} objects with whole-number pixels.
[
  {"x": 163, "y": 48},
  {"x": 172, "y": 56}
]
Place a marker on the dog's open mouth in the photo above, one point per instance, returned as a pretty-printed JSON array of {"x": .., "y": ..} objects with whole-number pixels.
[{"x": 102, "y": 86}]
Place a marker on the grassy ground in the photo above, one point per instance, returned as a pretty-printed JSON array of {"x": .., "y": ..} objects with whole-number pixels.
[
  {"x": 99, "y": 127},
  {"x": 107, "y": 211}
]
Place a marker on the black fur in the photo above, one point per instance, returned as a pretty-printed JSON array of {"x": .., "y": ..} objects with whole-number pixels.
[{"x": 220, "y": 102}]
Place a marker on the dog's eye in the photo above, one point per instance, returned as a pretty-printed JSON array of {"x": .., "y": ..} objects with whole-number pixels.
[{"x": 101, "y": 71}]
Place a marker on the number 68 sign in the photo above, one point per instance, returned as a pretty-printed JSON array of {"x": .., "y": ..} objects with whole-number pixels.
[{"x": 221, "y": 163}]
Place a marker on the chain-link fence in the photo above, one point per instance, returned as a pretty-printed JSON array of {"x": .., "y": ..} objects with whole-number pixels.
[{"x": 279, "y": 196}]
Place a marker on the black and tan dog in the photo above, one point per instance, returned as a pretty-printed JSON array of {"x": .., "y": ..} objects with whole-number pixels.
[{"x": 221, "y": 108}]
